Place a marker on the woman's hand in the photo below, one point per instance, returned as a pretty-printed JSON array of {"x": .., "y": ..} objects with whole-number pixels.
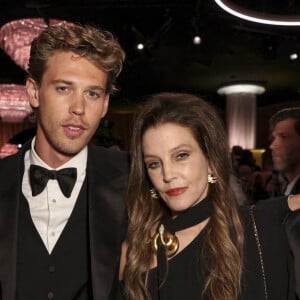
[{"x": 294, "y": 202}]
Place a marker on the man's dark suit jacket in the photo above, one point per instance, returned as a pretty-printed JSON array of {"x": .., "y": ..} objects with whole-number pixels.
[
  {"x": 107, "y": 173},
  {"x": 296, "y": 187},
  {"x": 293, "y": 234}
]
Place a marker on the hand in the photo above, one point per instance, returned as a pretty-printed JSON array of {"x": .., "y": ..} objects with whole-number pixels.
[{"x": 294, "y": 202}]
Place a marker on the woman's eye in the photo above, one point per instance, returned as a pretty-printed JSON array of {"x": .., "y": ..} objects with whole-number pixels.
[
  {"x": 182, "y": 155},
  {"x": 152, "y": 165}
]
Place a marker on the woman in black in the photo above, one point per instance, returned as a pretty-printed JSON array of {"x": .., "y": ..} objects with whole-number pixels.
[{"x": 187, "y": 237}]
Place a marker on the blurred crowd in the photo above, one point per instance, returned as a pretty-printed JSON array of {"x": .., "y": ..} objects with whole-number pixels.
[{"x": 258, "y": 182}]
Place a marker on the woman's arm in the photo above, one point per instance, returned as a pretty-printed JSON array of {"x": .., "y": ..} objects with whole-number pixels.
[{"x": 123, "y": 259}]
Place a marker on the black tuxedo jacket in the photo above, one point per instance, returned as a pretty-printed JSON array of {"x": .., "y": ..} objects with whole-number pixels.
[{"x": 107, "y": 173}]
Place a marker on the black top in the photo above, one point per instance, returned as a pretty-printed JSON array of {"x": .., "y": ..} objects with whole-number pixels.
[
  {"x": 186, "y": 274},
  {"x": 185, "y": 278}
]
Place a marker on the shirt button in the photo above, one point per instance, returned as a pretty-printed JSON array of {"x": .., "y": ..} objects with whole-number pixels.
[
  {"x": 51, "y": 269},
  {"x": 50, "y": 295},
  {"x": 53, "y": 233},
  {"x": 53, "y": 201}
]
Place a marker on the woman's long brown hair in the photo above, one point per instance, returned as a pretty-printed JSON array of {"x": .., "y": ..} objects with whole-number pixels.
[{"x": 224, "y": 235}]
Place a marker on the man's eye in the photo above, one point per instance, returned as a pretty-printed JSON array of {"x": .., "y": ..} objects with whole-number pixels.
[
  {"x": 93, "y": 94},
  {"x": 62, "y": 88}
]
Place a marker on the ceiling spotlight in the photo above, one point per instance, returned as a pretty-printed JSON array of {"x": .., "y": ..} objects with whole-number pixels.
[
  {"x": 257, "y": 17},
  {"x": 293, "y": 56},
  {"x": 241, "y": 88},
  {"x": 140, "y": 46},
  {"x": 197, "y": 40}
]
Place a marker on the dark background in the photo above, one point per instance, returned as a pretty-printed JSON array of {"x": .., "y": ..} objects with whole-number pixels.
[{"x": 232, "y": 50}]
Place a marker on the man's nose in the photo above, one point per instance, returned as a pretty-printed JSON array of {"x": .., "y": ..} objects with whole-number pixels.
[{"x": 77, "y": 107}]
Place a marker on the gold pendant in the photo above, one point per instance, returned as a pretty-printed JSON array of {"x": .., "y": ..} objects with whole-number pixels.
[{"x": 167, "y": 240}]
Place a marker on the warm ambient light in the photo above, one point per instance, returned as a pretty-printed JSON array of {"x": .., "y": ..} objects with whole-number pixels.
[
  {"x": 241, "y": 88},
  {"x": 257, "y": 17},
  {"x": 14, "y": 105},
  {"x": 16, "y": 37}
]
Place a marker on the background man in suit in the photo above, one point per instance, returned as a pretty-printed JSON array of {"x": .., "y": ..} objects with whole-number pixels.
[
  {"x": 285, "y": 126},
  {"x": 61, "y": 230},
  {"x": 285, "y": 146}
]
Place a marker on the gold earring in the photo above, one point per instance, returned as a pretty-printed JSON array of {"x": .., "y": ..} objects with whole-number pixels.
[
  {"x": 153, "y": 193},
  {"x": 167, "y": 240},
  {"x": 211, "y": 178}
]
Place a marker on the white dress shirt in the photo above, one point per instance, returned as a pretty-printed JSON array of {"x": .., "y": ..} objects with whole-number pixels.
[
  {"x": 290, "y": 186},
  {"x": 51, "y": 210}
]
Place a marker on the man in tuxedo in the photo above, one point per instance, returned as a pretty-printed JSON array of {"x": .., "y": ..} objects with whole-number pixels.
[
  {"x": 285, "y": 147},
  {"x": 62, "y": 215}
]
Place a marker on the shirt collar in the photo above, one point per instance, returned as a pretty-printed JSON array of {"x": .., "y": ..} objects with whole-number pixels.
[{"x": 79, "y": 161}]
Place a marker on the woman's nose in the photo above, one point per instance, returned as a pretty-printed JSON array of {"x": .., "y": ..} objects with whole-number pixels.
[{"x": 168, "y": 174}]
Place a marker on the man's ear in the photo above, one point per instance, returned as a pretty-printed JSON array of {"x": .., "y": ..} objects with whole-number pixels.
[{"x": 32, "y": 92}]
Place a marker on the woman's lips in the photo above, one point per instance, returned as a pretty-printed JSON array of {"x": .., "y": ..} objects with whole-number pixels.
[{"x": 176, "y": 191}]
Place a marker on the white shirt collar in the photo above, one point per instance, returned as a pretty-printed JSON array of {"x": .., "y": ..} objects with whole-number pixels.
[
  {"x": 78, "y": 161},
  {"x": 290, "y": 185}
]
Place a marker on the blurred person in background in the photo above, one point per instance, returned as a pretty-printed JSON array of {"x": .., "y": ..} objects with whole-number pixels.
[{"x": 285, "y": 147}]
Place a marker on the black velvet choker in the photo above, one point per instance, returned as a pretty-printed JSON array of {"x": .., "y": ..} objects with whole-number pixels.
[
  {"x": 166, "y": 237},
  {"x": 192, "y": 216},
  {"x": 165, "y": 242}
]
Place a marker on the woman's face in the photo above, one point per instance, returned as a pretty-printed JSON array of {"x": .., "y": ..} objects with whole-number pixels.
[{"x": 176, "y": 165}]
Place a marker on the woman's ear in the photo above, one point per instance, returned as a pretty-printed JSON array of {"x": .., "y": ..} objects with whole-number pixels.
[{"x": 32, "y": 92}]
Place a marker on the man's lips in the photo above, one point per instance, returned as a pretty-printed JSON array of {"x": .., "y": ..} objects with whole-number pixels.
[
  {"x": 176, "y": 191},
  {"x": 74, "y": 130}
]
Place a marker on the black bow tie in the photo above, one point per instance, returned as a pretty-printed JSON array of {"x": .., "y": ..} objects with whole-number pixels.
[{"x": 39, "y": 177}]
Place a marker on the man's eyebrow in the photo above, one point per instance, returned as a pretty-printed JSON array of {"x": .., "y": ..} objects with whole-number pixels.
[
  {"x": 61, "y": 81},
  {"x": 96, "y": 87},
  {"x": 92, "y": 87}
]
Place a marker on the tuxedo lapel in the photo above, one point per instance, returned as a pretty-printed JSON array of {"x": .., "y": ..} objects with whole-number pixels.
[
  {"x": 10, "y": 189},
  {"x": 106, "y": 191}
]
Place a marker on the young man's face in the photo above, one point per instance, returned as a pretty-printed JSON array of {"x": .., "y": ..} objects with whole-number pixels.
[
  {"x": 71, "y": 101},
  {"x": 285, "y": 147}
]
